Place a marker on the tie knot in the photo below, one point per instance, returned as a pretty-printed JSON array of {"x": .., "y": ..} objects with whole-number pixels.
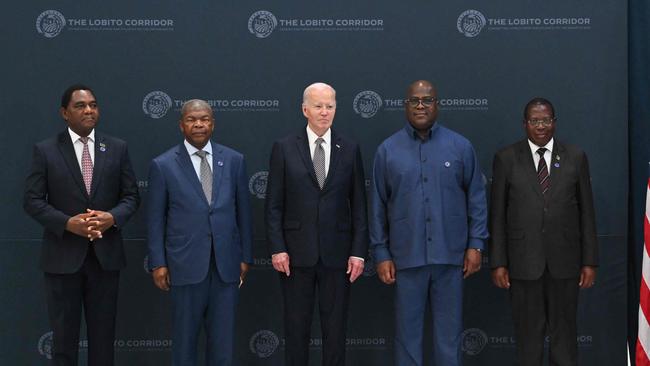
[
  {"x": 319, "y": 141},
  {"x": 84, "y": 140},
  {"x": 201, "y": 154},
  {"x": 541, "y": 151}
]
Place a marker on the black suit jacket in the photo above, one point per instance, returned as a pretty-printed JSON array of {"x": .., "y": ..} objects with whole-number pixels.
[
  {"x": 529, "y": 230},
  {"x": 310, "y": 223},
  {"x": 55, "y": 191}
]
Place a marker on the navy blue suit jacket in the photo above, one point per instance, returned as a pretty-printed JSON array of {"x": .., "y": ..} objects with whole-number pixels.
[
  {"x": 55, "y": 191},
  {"x": 183, "y": 226},
  {"x": 310, "y": 223}
]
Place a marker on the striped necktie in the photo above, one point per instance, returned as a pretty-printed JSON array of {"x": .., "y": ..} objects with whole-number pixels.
[{"x": 542, "y": 171}]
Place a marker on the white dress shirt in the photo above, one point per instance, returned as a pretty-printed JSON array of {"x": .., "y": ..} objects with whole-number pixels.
[
  {"x": 196, "y": 160},
  {"x": 79, "y": 146},
  {"x": 547, "y": 154},
  {"x": 327, "y": 145}
]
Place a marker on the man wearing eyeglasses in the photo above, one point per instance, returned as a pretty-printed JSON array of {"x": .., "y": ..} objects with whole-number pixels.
[
  {"x": 543, "y": 244},
  {"x": 316, "y": 223},
  {"x": 427, "y": 227}
]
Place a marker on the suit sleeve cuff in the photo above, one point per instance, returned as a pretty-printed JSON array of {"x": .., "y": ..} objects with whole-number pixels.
[
  {"x": 381, "y": 255},
  {"x": 475, "y": 243}
]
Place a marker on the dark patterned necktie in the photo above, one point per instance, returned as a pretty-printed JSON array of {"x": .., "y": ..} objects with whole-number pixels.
[
  {"x": 206, "y": 175},
  {"x": 319, "y": 162},
  {"x": 542, "y": 171},
  {"x": 86, "y": 164}
]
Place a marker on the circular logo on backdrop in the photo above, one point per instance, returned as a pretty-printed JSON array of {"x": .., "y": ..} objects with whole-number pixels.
[
  {"x": 45, "y": 345},
  {"x": 50, "y": 23},
  {"x": 367, "y": 103},
  {"x": 156, "y": 104},
  {"x": 470, "y": 23},
  {"x": 257, "y": 184},
  {"x": 262, "y": 23},
  {"x": 263, "y": 343},
  {"x": 473, "y": 341}
]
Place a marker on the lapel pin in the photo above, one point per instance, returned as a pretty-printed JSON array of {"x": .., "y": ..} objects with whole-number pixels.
[
  {"x": 557, "y": 165},
  {"x": 220, "y": 163},
  {"x": 102, "y": 147},
  {"x": 557, "y": 157},
  {"x": 447, "y": 164},
  {"x": 338, "y": 146}
]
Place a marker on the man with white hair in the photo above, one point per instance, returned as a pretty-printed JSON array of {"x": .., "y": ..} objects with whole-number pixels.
[{"x": 316, "y": 226}]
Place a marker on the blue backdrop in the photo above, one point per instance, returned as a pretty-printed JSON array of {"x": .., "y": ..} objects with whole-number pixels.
[{"x": 251, "y": 60}]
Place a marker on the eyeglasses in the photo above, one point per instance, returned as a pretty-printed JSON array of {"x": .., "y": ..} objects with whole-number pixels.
[
  {"x": 546, "y": 122},
  {"x": 426, "y": 101}
]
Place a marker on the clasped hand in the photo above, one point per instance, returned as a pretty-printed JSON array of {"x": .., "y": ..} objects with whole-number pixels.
[{"x": 91, "y": 224}]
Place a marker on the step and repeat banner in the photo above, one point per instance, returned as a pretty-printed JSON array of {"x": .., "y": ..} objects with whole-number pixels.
[{"x": 251, "y": 61}]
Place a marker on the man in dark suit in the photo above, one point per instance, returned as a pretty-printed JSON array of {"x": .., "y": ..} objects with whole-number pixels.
[
  {"x": 82, "y": 189},
  {"x": 316, "y": 226},
  {"x": 200, "y": 236},
  {"x": 543, "y": 244}
]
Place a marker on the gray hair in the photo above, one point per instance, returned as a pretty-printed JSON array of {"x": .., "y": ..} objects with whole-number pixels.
[
  {"x": 199, "y": 104},
  {"x": 314, "y": 86}
]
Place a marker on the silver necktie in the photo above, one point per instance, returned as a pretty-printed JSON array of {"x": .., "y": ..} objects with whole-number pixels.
[
  {"x": 206, "y": 175},
  {"x": 319, "y": 162}
]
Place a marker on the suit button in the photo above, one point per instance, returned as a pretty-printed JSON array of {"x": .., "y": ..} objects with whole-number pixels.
[
  {"x": 428, "y": 219},
  {"x": 543, "y": 231},
  {"x": 429, "y": 239},
  {"x": 425, "y": 179},
  {"x": 424, "y": 159},
  {"x": 426, "y": 199}
]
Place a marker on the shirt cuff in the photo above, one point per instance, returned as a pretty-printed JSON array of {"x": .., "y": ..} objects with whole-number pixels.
[{"x": 359, "y": 258}]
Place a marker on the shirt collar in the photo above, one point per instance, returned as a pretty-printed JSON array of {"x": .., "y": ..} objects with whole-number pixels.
[
  {"x": 74, "y": 137},
  {"x": 311, "y": 136},
  {"x": 534, "y": 148},
  {"x": 192, "y": 150},
  {"x": 414, "y": 134}
]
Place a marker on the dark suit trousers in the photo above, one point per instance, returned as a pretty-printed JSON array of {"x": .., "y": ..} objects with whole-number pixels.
[
  {"x": 96, "y": 290},
  {"x": 545, "y": 306},
  {"x": 211, "y": 303},
  {"x": 299, "y": 290}
]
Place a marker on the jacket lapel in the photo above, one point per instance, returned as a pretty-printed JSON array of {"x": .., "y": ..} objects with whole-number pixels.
[
  {"x": 185, "y": 164},
  {"x": 335, "y": 155},
  {"x": 218, "y": 164},
  {"x": 70, "y": 158},
  {"x": 101, "y": 150},
  {"x": 528, "y": 164},
  {"x": 302, "y": 144},
  {"x": 556, "y": 172}
]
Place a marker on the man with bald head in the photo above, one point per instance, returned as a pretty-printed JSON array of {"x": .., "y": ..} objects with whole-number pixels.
[
  {"x": 200, "y": 236},
  {"x": 316, "y": 226},
  {"x": 427, "y": 226}
]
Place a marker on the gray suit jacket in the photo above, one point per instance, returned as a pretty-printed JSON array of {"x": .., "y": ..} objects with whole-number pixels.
[{"x": 531, "y": 231}]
